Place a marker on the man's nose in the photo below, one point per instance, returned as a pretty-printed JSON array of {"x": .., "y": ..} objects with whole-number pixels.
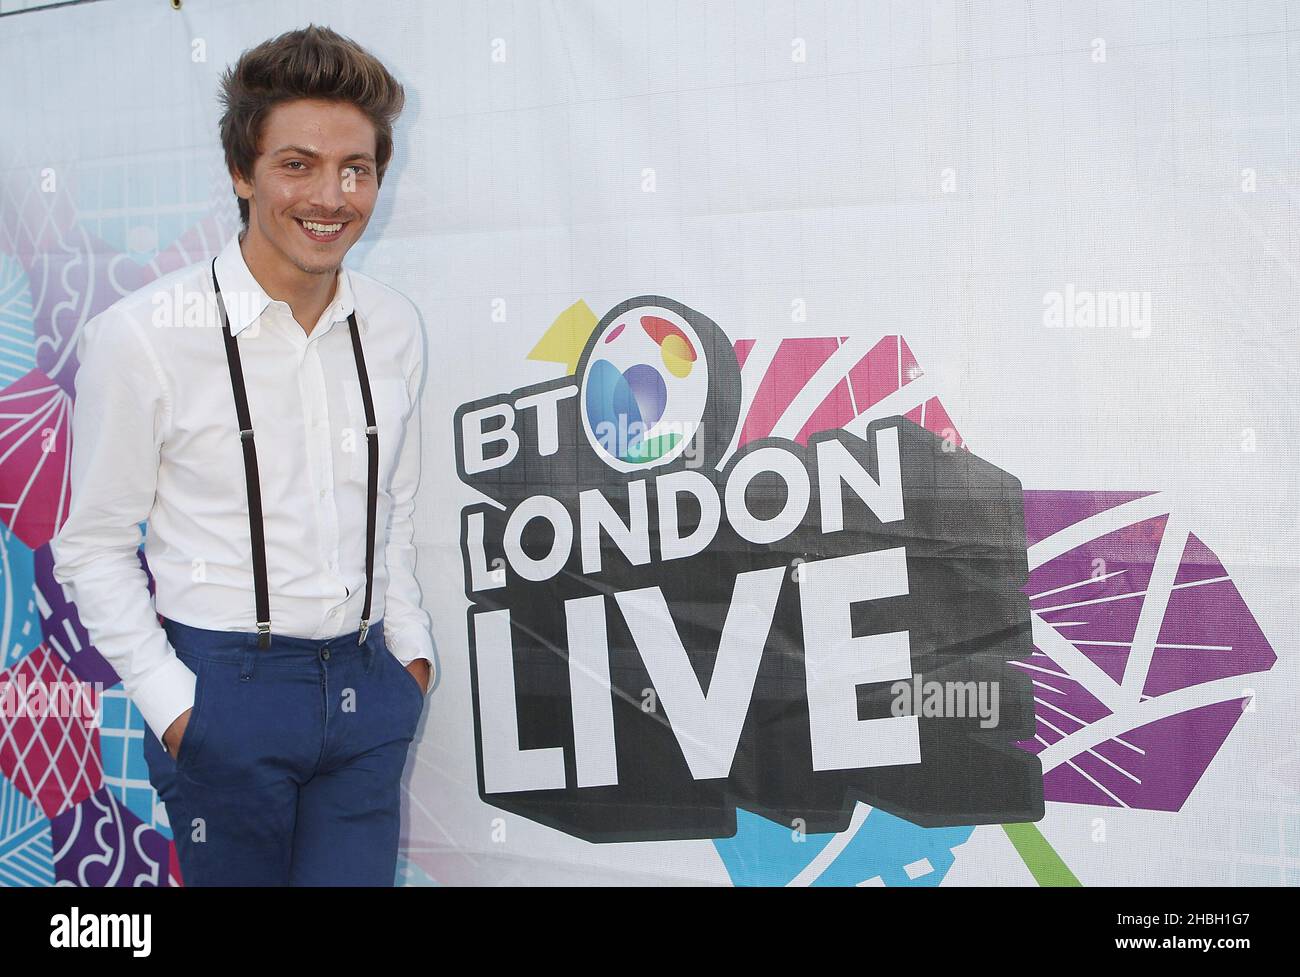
[{"x": 328, "y": 191}]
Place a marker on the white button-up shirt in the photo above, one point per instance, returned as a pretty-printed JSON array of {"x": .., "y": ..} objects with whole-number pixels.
[{"x": 156, "y": 439}]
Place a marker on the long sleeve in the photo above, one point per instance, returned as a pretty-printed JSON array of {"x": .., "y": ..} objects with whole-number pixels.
[
  {"x": 117, "y": 423},
  {"x": 407, "y": 627}
]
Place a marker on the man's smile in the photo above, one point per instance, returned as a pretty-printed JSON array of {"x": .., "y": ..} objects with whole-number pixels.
[{"x": 322, "y": 231}]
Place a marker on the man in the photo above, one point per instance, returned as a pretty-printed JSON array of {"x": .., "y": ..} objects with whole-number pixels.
[{"x": 275, "y": 458}]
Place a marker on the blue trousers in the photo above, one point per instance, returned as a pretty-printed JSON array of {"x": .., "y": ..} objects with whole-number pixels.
[{"x": 289, "y": 772}]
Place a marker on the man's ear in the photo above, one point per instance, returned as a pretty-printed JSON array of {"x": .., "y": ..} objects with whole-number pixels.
[{"x": 243, "y": 187}]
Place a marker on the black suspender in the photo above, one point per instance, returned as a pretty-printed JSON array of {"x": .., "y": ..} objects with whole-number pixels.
[
  {"x": 372, "y": 468},
  {"x": 254, "y": 486}
]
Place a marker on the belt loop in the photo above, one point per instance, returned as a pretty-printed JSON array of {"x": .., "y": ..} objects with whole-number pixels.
[{"x": 246, "y": 667}]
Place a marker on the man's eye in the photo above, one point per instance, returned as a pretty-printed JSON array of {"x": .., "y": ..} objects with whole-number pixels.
[
  {"x": 360, "y": 170},
  {"x": 294, "y": 162}
]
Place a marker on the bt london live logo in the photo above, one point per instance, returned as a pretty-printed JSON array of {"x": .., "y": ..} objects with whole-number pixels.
[{"x": 665, "y": 627}]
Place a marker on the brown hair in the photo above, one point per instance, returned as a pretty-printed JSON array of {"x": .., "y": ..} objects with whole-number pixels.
[{"x": 314, "y": 62}]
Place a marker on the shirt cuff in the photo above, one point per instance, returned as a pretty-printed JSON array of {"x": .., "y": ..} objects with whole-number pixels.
[
  {"x": 406, "y": 647},
  {"x": 165, "y": 695}
]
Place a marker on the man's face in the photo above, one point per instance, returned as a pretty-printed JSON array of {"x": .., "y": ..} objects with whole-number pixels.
[{"x": 316, "y": 164}]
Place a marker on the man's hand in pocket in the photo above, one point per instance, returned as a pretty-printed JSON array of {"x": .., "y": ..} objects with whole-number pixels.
[
  {"x": 176, "y": 732},
  {"x": 420, "y": 671}
]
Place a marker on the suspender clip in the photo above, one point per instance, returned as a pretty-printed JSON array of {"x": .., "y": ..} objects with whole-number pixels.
[
  {"x": 264, "y": 634},
  {"x": 365, "y": 626}
]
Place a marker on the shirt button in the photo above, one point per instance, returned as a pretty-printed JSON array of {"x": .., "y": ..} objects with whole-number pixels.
[{"x": 322, "y": 493}]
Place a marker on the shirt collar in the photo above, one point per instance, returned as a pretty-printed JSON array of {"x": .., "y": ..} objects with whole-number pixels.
[{"x": 245, "y": 299}]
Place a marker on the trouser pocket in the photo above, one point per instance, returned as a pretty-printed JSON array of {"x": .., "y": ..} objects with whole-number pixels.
[{"x": 193, "y": 736}]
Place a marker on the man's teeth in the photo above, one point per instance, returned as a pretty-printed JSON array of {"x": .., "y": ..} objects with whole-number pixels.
[{"x": 320, "y": 228}]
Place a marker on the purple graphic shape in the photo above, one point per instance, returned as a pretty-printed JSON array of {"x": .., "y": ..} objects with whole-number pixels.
[
  {"x": 100, "y": 842},
  {"x": 1056, "y": 510},
  {"x": 1167, "y": 758},
  {"x": 648, "y": 388},
  {"x": 1093, "y": 596},
  {"x": 1094, "y": 592},
  {"x": 62, "y": 628},
  {"x": 1208, "y": 631}
]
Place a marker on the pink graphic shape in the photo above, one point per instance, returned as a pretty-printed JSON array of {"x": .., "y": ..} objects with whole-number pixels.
[
  {"x": 35, "y": 443},
  {"x": 886, "y": 368},
  {"x": 53, "y": 759}
]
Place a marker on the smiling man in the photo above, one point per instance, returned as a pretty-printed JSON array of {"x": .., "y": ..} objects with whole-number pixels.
[{"x": 282, "y": 665}]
